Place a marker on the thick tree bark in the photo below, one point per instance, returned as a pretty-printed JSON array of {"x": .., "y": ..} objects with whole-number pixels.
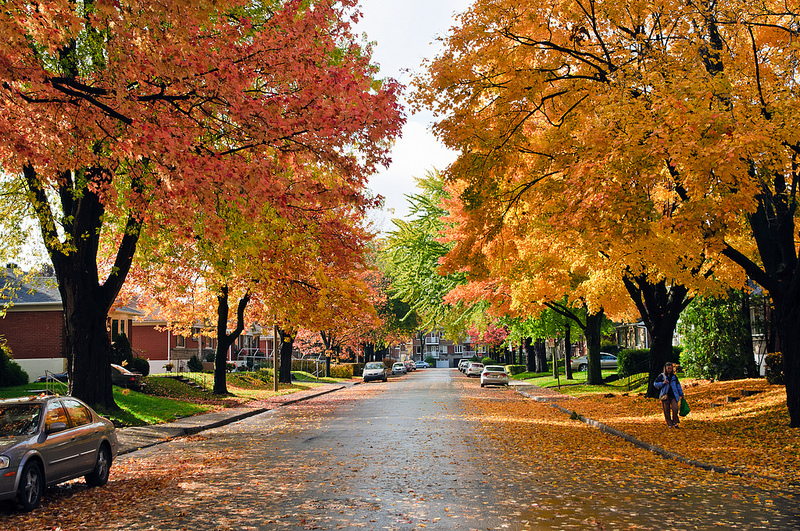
[
  {"x": 660, "y": 307},
  {"x": 369, "y": 352},
  {"x": 530, "y": 356},
  {"x": 287, "y": 345},
  {"x": 748, "y": 349},
  {"x": 593, "y": 332},
  {"x": 540, "y": 350},
  {"x": 85, "y": 300},
  {"x": 224, "y": 339},
  {"x": 330, "y": 346},
  {"x": 567, "y": 351}
]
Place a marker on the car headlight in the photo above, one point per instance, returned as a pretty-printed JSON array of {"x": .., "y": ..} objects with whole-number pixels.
[{"x": 5, "y": 462}]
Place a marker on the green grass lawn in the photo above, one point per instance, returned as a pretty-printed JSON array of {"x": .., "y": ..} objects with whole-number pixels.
[
  {"x": 578, "y": 386},
  {"x": 167, "y": 399},
  {"x": 136, "y": 409}
]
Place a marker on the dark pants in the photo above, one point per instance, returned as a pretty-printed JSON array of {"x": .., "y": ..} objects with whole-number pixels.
[{"x": 671, "y": 406}]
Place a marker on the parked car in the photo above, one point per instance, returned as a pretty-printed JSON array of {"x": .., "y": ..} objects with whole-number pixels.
[
  {"x": 399, "y": 368},
  {"x": 494, "y": 375},
  {"x": 462, "y": 364},
  {"x": 410, "y": 365},
  {"x": 51, "y": 377},
  {"x": 423, "y": 364},
  {"x": 474, "y": 369},
  {"x": 49, "y": 439},
  {"x": 374, "y": 370},
  {"x": 124, "y": 378},
  {"x": 607, "y": 361}
]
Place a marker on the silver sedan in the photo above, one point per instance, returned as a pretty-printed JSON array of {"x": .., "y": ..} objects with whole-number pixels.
[
  {"x": 45, "y": 440},
  {"x": 607, "y": 361}
]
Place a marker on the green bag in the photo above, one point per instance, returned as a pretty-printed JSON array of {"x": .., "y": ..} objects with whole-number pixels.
[{"x": 684, "y": 410}]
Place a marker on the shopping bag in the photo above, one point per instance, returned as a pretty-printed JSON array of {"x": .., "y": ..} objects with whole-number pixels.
[{"x": 684, "y": 410}]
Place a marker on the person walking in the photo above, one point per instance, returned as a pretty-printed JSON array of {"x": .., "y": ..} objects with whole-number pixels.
[{"x": 670, "y": 392}]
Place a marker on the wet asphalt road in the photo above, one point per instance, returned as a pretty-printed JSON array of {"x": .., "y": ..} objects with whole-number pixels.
[{"x": 407, "y": 454}]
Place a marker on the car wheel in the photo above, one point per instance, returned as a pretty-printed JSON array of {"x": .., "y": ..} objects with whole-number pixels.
[
  {"x": 31, "y": 486},
  {"x": 482, "y": 385},
  {"x": 102, "y": 468},
  {"x": 582, "y": 367},
  {"x": 385, "y": 379}
]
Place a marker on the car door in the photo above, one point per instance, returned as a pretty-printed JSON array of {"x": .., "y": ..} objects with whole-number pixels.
[
  {"x": 58, "y": 450},
  {"x": 86, "y": 435}
]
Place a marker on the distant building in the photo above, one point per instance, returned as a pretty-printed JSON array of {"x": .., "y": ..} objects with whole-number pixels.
[{"x": 446, "y": 351}]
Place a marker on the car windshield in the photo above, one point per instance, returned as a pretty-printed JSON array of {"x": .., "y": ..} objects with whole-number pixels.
[
  {"x": 374, "y": 365},
  {"x": 19, "y": 419},
  {"x": 494, "y": 368}
]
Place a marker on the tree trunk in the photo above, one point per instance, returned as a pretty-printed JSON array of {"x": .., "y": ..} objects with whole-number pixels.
[
  {"x": 530, "y": 355},
  {"x": 86, "y": 302},
  {"x": 660, "y": 307},
  {"x": 567, "y": 351},
  {"x": 285, "y": 368},
  {"x": 224, "y": 339},
  {"x": 540, "y": 348},
  {"x": 555, "y": 361},
  {"x": 369, "y": 352},
  {"x": 88, "y": 347},
  {"x": 593, "y": 331},
  {"x": 748, "y": 349}
]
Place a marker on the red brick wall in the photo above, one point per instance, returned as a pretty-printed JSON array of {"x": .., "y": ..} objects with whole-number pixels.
[
  {"x": 150, "y": 343},
  {"x": 34, "y": 334}
]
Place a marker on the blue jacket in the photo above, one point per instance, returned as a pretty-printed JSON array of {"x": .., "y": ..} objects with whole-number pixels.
[{"x": 662, "y": 384}]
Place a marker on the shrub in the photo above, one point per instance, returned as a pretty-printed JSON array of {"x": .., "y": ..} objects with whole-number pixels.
[
  {"x": 717, "y": 337},
  {"x": 609, "y": 346},
  {"x": 430, "y": 360},
  {"x": 343, "y": 370},
  {"x": 633, "y": 361},
  {"x": 774, "y": 369},
  {"x": 121, "y": 351},
  {"x": 11, "y": 374},
  {"x": 230, "y": 366},
  {"x": 488, "y": 361},
  {"x": 139, "y": 365},
  {"x": 194, "y": 364},
  {"x": 516, "y": 369}
]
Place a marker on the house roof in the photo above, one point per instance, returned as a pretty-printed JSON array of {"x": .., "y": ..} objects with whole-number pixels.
[{"x": 22, "y": 290}]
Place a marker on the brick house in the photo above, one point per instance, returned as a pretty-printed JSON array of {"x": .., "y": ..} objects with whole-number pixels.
[{"x": 33, "y": 325}]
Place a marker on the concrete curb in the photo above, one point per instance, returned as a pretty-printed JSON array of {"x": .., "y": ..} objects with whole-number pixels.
[{"x": 666, "y": 454}]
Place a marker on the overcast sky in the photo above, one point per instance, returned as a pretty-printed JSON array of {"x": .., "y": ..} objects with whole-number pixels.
[{"x": 404, "y": 32}]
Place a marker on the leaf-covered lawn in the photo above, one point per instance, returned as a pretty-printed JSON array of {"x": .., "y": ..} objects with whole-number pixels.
[{"x": 750, "y": 435}]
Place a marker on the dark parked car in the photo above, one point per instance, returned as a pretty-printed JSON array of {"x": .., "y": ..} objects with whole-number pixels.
[
  {"x": 124, "y": 378},
  {"x": 50, "y": 377},
  {"x": 47, "y": 439}
]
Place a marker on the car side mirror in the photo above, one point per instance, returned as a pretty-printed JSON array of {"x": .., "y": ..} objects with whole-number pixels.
[{"x": 55, "y": 427}]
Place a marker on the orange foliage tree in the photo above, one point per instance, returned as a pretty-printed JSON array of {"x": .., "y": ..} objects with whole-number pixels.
[
  {"x": 663, "y": 129},
  {"x": 121, "y": 111}
]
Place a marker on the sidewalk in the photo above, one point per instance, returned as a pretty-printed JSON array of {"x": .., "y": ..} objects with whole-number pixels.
[{"x": 138, "y": 437}]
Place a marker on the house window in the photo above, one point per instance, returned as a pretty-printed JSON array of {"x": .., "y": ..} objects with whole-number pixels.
[
  {"x": 458, "y": 349},
  {"x": 181, "y": 342},
  {"x": 117, "y": 328}
]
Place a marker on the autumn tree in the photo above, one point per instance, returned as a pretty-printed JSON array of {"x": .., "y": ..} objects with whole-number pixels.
[
  {"x": 412, "y": 253},
  {"x": 671, "y": 122},
  {"x": 113, "y": 112}
]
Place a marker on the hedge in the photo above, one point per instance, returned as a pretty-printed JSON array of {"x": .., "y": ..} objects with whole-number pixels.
[
  {"x": 633, "y": 361},
  {"x": 516, "y": 369}
]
